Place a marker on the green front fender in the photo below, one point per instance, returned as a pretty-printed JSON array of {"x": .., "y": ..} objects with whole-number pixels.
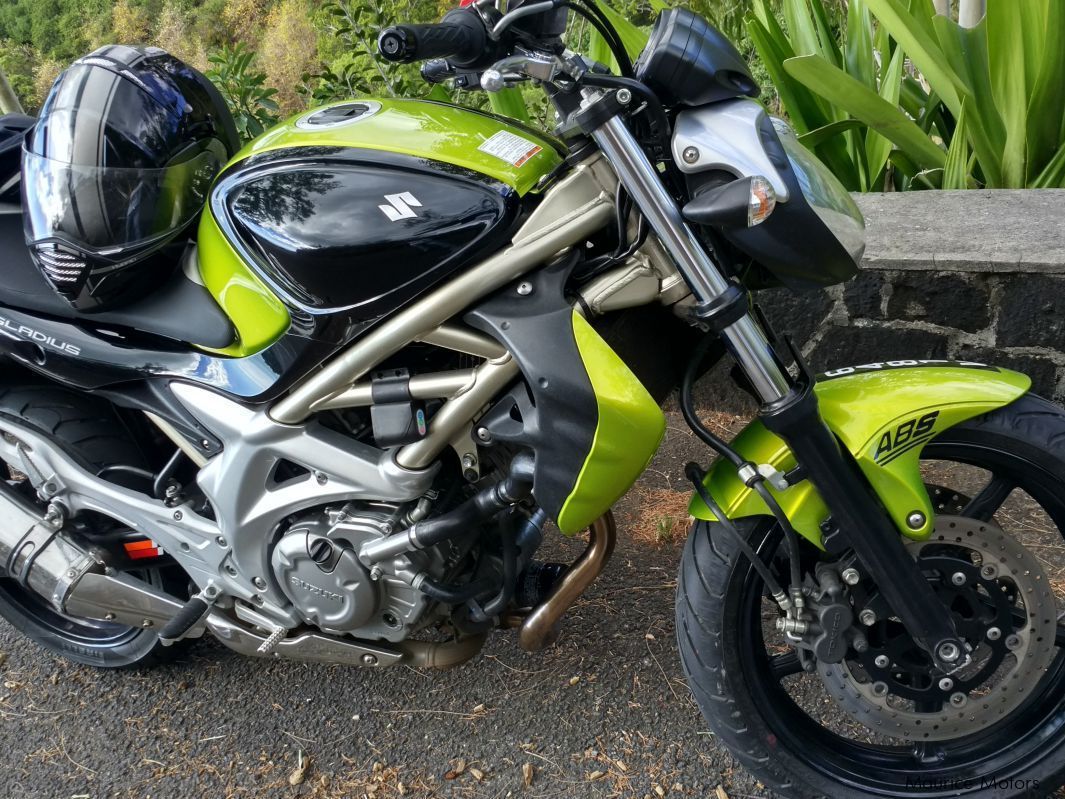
[{"x": 884, "y": 413}]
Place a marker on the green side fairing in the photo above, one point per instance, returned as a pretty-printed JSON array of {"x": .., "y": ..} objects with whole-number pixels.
[
  {"x": 258, "y": 315},
  {"x": 883, "y": 414},
  {"x": 627, "y": 435},
  {"x": 424, "y": 129}
]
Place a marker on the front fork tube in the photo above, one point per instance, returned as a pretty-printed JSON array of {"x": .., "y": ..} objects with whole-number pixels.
[{"x": 790, "y": 410}]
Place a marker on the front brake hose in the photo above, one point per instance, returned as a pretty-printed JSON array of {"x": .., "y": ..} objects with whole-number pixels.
[
  {"x": 696, "y": 475},
  {"x": 717, "y": 444}
]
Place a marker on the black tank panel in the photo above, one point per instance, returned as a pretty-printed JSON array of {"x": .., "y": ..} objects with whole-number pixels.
[{"x": 362, "y": 232}]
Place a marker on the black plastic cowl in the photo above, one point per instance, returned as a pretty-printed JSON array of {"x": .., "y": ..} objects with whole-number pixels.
[{"x": 688, "y": 61}]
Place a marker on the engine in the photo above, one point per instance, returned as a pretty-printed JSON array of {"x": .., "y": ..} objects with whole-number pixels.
[{"x": 316, "y": 565}]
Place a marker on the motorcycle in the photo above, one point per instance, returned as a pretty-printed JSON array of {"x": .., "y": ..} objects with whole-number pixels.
[{"x": 320, "y": 396}]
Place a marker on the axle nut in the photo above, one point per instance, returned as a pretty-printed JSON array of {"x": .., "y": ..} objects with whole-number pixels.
[
  {"x": 916, "y": 520},
  {"x": 949, "y": 652}
]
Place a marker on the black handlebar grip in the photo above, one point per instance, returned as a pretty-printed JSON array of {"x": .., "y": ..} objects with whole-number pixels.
[{"x": 460, "y": 38}]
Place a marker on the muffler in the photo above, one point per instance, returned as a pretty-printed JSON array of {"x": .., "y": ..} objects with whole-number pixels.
[{"x": 36, "y": 553}]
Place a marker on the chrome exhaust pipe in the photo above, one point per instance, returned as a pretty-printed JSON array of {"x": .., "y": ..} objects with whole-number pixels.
[{"x": 37, "y": 554}]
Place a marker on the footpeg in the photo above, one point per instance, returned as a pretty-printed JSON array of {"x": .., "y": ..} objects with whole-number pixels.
[{"x": 184, "y": 620}]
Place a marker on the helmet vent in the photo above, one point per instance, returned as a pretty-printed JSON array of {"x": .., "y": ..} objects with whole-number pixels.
[
  {"x": 60, "y": 267},
  {"x": 336, "y": 116}
]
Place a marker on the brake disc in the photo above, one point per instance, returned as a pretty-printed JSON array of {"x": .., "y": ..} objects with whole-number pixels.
[{"x": 1004, "y": 609}]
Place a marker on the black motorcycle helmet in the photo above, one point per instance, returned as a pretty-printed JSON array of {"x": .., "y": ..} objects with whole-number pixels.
[{"x": 116, "y": 170}]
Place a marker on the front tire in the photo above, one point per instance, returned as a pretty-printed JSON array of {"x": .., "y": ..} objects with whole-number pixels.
[
  {"x": 90, "y": 431},
  {"x": 738, "y": 680}
]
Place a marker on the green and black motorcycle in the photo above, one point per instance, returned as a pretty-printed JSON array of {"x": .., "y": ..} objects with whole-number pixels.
[{"x": 320, "y": 396}]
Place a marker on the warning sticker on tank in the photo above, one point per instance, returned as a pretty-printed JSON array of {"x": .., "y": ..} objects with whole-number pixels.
[{"x": 510, "y": 147}]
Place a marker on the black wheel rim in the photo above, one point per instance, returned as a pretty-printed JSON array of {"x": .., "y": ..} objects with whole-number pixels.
[
  {"x": 1000, "y": 756},
  {"x": 86, "y": 633}
]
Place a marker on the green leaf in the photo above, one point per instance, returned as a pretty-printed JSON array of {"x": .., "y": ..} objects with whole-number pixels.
[
  {"x": 877, "y": 148},
  {"x": 821, "y": 135},
  {"x": 633, "y": 39},
  {"x": 439, "y": 94},
  {"x": 1046, "y": 108},
  {"x": 802, "y": 28},
  {"x": 921, "y": 47},
  {"x": 860, "y": 101},
  {"x": 956, "y": 170},
  {"x": 859, "y": 49},
  {"x": 510, "y": 103},
  {"x": 1008, "y": 65},
  {"x": 803, "y": 106},
  {"x": 829, "y": 45},
  {"x": 966, "y": 51},
  {"x": 599, "y": 50},
  {"x": 1053, "y": 177}
]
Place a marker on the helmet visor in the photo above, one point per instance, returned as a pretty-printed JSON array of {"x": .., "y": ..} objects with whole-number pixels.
[{"x": 107, "y": 210}]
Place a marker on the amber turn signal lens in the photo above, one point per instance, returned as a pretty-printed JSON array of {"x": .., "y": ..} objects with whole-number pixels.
[{"x": 762, "y": 202}]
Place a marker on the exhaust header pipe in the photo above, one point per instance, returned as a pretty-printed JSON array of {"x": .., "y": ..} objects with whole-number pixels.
[{"x": 36, "y": 552}]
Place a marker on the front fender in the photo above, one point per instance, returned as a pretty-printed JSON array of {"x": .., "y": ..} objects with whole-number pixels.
[{"x": 884, "y": 413}]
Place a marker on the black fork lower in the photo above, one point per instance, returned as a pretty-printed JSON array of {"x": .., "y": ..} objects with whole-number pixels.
[{"x": 861, "y": 523}]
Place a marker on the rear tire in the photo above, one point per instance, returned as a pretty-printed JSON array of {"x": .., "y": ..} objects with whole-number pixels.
[
  {"x": 752, "y": 714},
  {"x": 90, "y": 431}
]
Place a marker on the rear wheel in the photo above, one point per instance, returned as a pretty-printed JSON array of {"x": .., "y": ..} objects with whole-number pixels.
[
  {"x": 91, "y": 432},
  {"x": 858, "y": 730}
]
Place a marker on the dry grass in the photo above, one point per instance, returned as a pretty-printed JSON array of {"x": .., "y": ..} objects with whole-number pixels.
[{"x": 659, "y": 515}]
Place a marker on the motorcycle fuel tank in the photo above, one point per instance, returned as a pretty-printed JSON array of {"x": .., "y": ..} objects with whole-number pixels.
[{"x": 358, "y": 207}]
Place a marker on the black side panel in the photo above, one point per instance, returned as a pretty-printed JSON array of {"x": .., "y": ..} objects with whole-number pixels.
[
  {"x": 559, "y": 420},
  {"x": 13, "y": 128},
  {"x": 92, "y": 358},
  {"x": 688, "y": 61},
  {"x": 347, "y": 230}
]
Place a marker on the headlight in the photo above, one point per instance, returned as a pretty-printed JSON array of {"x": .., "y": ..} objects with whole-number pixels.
[{"x": 825, "y": 194}]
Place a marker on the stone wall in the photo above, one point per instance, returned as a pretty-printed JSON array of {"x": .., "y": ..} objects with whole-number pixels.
[{"x": 967, "y": 275}]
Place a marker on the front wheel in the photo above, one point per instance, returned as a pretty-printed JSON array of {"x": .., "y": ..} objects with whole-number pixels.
[{"x": 883, "y": 723}]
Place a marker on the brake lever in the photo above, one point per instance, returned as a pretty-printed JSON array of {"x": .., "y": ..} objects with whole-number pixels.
[{"x": 518, "y": 67}]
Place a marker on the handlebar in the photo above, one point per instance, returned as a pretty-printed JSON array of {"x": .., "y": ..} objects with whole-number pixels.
[{"x": 460, "y": 38}]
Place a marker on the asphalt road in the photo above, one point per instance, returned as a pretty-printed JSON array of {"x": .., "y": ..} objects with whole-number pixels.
[{"x": 603, "y": 713}]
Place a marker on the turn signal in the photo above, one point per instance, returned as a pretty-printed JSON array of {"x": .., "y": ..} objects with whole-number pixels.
[{"x": 762, "y": 202}]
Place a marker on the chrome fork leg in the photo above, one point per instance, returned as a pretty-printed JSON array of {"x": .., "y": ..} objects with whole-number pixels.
[
  {"x": 745, "y": 338},
  {"x": 791, "y": 411}
]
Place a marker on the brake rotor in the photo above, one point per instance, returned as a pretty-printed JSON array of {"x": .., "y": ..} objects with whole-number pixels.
[{"x": 1003, "y": 608}]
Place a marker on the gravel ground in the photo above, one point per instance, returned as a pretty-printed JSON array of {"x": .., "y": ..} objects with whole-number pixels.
[{"x": 604, "y": 713}]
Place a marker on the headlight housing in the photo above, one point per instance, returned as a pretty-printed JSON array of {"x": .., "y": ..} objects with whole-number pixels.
[{"x": 824, "y": 193}]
